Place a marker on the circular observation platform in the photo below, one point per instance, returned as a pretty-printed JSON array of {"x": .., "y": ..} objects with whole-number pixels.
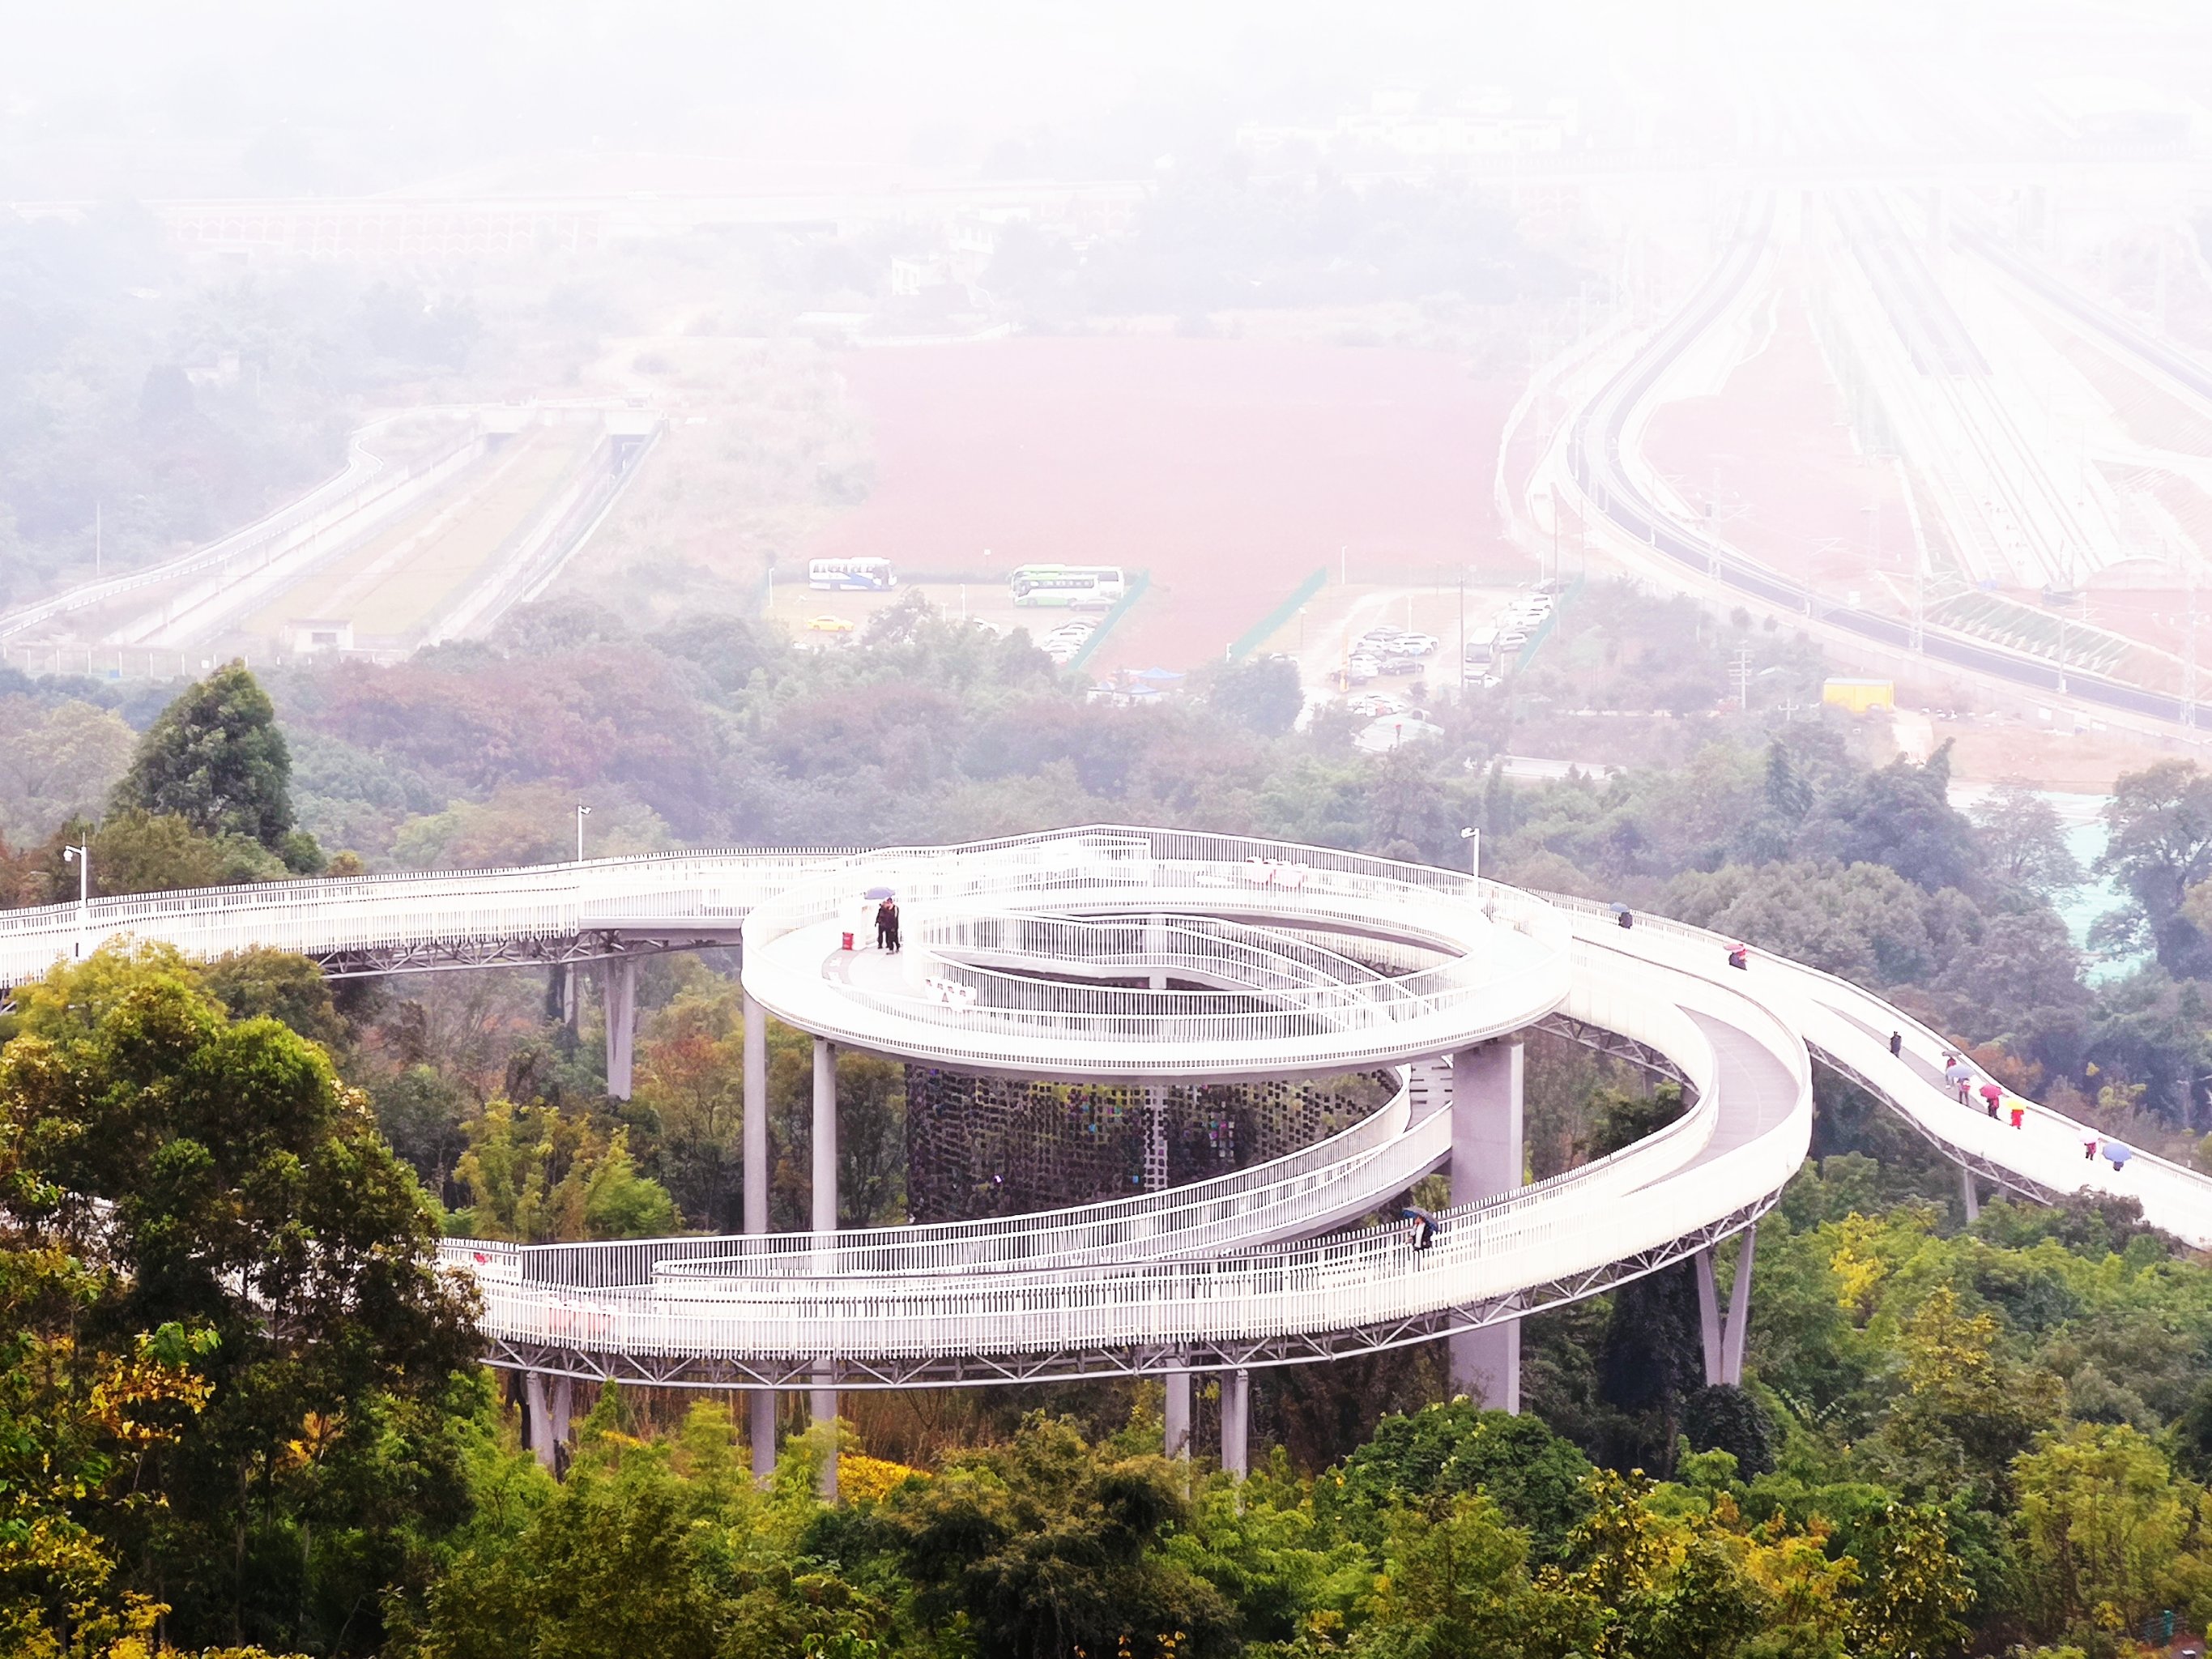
[{"x": 1155, "y": 954}]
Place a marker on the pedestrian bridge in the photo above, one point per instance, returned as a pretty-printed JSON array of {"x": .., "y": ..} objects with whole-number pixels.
[{"x": 1152, "y": 957}]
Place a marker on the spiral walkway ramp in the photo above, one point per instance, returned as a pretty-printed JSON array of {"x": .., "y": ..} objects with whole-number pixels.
[{"x": 1152, "y": 958}]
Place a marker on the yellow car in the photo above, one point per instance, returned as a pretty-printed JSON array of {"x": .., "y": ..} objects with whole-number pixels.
[{"x": 829, "y": 625}]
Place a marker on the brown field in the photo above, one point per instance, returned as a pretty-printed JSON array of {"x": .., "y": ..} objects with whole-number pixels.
[{"x": 1228, "y": 468}]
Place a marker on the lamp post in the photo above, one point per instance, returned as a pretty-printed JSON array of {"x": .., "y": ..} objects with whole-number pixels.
[
  {"x": 82, "y": 857},
  {"x": 582, "y": 812},
  {"x": 1474, "y": 840}
]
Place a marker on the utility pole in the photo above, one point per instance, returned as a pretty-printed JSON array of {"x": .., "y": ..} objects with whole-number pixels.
[
  {"x": 2189, "y": 644},
  {"x": 1740, "y": 671},
  {"x": 582, "y": 812},
  {"x": 1474, "y": 840}
]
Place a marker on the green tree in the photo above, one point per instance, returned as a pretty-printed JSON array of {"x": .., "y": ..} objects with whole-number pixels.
[
  {"x": 1046, "y": 1547},
  {"x": 1969, "y": 1407},
  {"x": 78, "y": 1426},
  {"x": 1900, "y": 817},
  {"x": 1725, "y": 1417},
  {"x": 1657, "y": 1588},
  {"x": 217, "y": 759},
  {"x": 689, "y": 1076},
  {"x": 1915, "y": 1590},
  {"x": 2159, "y": 821},
  {"x": 57, "y": 762},
  {"x": 2023, "y": 843},
  {"x": 1264, "y": 696},
  {"x": 140, "y": 852},
  {"x": 2105, "y": 1526},
  {"x": 543, "y": 1176},
  {"x": 1536, "y": 1479},
  {"x": 280, "y": 985},
  {"x": 231, "y": 1184},
  {"x": 1455, "y": 1581}
]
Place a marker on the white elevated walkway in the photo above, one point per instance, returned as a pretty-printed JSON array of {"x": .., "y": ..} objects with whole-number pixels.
[{"x": 1142, "y": 954}]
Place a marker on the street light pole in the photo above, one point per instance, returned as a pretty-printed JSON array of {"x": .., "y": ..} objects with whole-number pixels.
[
  {"x": 82, "y": 857},
  {"x": 582, "y": 812},
  {"x": 1474, "y": 840}
]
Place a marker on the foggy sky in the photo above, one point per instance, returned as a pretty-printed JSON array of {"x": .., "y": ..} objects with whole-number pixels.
[{"x": 252, "y": 96}]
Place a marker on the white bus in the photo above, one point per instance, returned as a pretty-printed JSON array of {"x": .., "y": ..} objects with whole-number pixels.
[
  {"x": 1079, "y": 587},
  {"x": 853, "y": 575},
  {"x": 1481, "y": 647}
]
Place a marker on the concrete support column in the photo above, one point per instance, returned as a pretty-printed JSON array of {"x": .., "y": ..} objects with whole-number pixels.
[
  {"x": 571, "y": 992},
  {"x": 1486, "y": 1160},
  {"x": 823, "y": 1400},
  {"x": 1709, "y": 1312},
  {"x": 760, "y": 1429},
  {"x": 539, "y": 1417},
  {"x": 755, "y": 1136},
  {"x": 1155, "y": 944},
  {"x": 1178, "y": 1415},
  {"x": 561, "y": 1404},
  {"x": 1970, "y": 1193},
  {"x": 1236, "y": 1423},
  {"x": 1723, "y": 1330},
  {"x": 824, "y": 1188},
  {"x": 754, "y": 1145},
  {"x": 1738, "y": 1313},
  {"x": 622, "y": 1024}
]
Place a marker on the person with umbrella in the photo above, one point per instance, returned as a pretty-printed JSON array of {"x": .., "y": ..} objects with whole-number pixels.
[{"x": 1423, "y": 1232}]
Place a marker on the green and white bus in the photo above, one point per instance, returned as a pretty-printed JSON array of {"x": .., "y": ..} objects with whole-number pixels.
[{"x": 1077, "y": 587}]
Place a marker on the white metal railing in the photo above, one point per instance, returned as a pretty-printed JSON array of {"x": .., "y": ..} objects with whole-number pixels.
[
  {"x": 1461, "y": 958},
  {"x": 1487, "y": 967},
  {"x": 1853, "y": 1024},
  {"x": 1636, "y": 1201},
  {"x": 321, "y": 916},
  {"x": 1178, "y": 1267},
  {"x": 1539, "y": 1235},
  {"x": 1268, "y": 1200}
]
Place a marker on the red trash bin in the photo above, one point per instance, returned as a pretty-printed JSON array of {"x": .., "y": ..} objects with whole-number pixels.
[{"x": 848, "y": 942}]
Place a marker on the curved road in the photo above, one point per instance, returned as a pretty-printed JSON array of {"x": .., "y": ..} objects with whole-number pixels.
[{"x": 1596, "y": 462}]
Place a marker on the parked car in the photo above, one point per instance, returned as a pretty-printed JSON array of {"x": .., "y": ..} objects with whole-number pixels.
[
  {"x": 828, "y": 625},
  {"x": 1374, "y": 705}
]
